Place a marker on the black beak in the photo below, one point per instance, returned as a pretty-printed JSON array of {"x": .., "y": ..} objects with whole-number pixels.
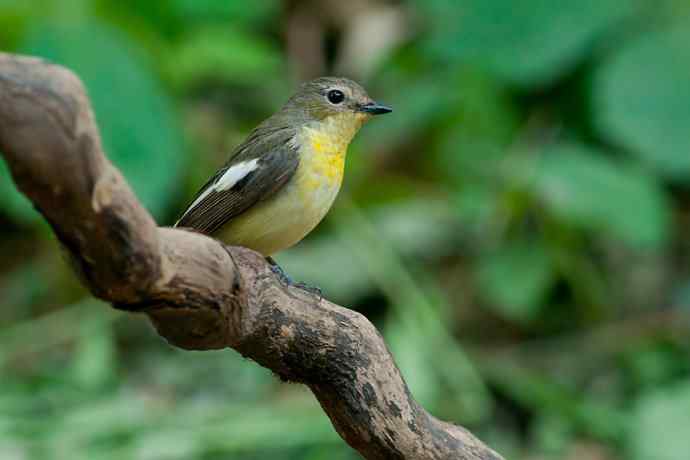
[{"x": 374, "y": 108}]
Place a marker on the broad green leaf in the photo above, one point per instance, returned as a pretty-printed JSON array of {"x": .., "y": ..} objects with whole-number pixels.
[
  {"x": 483, "y": 126},
  {"x": 531, "y": 42},
  {"x": 135, "y": 116},
  {"x": 642, "y": 100},
  {"x": 659, "y": 427},
  {"x": 225, "y": 54},
  {"x": 515, "y": 279},
  {"x": 585, "y": 188},
  {"x": 226, "y": 11}
]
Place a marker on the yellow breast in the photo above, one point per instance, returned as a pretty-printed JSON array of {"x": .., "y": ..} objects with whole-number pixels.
[
  {"x": 323, "y": 147},
  {"x": 283, "y": 221},
  {"x": 322, "y": 161}
]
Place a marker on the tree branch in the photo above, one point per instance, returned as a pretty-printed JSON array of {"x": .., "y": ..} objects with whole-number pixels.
[{"x": 198, "y": 293}]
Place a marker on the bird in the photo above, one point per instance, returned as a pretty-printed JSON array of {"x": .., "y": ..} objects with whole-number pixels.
[{"x": 283, "y": 179}]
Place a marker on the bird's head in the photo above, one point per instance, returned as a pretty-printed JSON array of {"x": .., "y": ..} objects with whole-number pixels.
[{"x": 331, "y": 97}]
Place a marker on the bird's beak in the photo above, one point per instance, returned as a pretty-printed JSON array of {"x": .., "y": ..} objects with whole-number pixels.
[{"x": 374, "y": 108}]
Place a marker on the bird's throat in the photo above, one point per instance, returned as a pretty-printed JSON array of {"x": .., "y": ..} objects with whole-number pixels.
[
  {"x": 332, "y": 135},
  {"x": 323, "y": 147}
]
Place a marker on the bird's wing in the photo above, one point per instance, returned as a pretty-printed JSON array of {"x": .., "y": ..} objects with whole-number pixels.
[{"x": 251, "y": 175}]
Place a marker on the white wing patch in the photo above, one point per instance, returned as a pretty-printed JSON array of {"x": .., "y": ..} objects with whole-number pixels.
[{"x": 233, "y": 175}]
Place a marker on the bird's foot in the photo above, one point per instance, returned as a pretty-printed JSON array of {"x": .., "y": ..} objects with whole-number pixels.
[
  {"x": 286, "y": 280},
  {"x": 310, "y": 289},
  {"x": 277, "y": 269}
]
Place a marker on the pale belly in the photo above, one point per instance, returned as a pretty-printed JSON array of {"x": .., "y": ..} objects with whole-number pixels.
[{"x": 283, "y": 220}]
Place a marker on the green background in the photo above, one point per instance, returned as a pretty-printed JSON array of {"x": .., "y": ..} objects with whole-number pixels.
[{"x": 518, "y": 228}]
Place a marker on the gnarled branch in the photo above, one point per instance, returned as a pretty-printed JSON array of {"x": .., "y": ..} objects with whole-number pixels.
[{"x": 198, "y": 293}]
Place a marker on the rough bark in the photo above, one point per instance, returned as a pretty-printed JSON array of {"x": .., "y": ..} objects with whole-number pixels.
[{"x": 198, "y": 293}]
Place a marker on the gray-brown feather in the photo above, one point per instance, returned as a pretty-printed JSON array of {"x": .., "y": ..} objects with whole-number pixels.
[{"x": 277, "y": 162}]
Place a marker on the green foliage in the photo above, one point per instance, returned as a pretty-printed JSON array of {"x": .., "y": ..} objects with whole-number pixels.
[
  {"x": 516, "y": 278},
  {"x": 14, "y": 203},
  {"x": 644, "y": 108},
  {"x": 530, "y": 43},
  {"x": 222, "y": 54},
  {"x": 205, "y": 11},
  {"x": 584, "y": 188},
  {"x": 660, "y": 423},
  {"x": 138, "y": 126},
  {"x": 516, "y": 228}
]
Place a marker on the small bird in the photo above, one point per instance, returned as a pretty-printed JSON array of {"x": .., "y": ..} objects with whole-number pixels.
[{"x": 282, "y": 180}]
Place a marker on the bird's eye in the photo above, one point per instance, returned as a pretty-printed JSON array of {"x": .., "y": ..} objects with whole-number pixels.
[{"x": 335, "y": 96}]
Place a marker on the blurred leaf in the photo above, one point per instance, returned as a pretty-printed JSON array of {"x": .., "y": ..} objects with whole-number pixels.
[
  {"x": 227, "y": 54},
  {"x": 226, "y": 11},
  {"x": 515, "y": 278},
  {"x": 418, "y": 305},
  {"x": 674, "y": 10},
  {"x": 654, "y": 363},
  {"x": 642, "y": 100},
  {"x": 13, "y": 18},
  {"x": 681, "y": 296},
  {"x": 14, "y": 204},
  {"x": 553, "y": 434},
  {"x": 138, "y": 126},
  {"x": 198, "y": 374},
  {"x": 465, "y": 102},
  {"x": 95, "y": 358},
  {"x": 583, "y": 187},
  {"x": 659, "y": 427},
  {"x": 418, "y": 103},
  {"x": 414, "y": 362},
  {"x": 530, "y": 43},
  {"x": 17, "y": 286},
  {"x": 52, "y": 330},
  {"x": 476, "y": 204},
  {"x": 553, "y": 398},
  {"x": 343, "y": 278},
  {"x": 483, "y": 126}
]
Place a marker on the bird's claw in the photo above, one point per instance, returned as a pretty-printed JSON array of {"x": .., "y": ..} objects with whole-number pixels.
[
  {"x": 310, "y": 289},
  {"x": 286, "y": 280},
  {"x": 282, "y": 276}
]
